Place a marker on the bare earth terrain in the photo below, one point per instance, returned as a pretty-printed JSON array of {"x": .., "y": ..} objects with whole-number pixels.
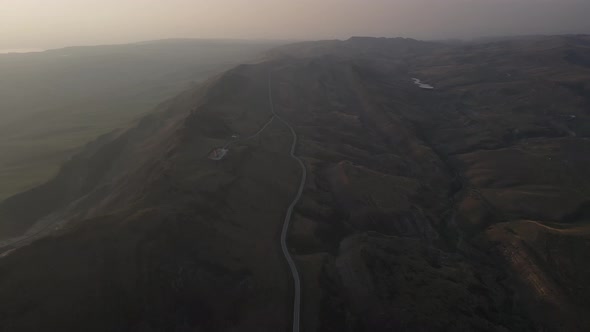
[{"x": 464, "y": 207}]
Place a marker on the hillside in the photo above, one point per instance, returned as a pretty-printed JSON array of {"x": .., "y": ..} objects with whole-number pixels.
[
  {"x": 462, "y": 207},
  {"x": 54, "y": 102}
]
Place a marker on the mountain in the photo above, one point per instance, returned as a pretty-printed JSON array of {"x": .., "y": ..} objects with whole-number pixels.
[
  {"x": 447, "y": 190},
  {"x": 53, "y": 102}
]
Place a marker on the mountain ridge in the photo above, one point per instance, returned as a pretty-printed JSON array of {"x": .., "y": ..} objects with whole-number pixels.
[{"x": 437, "y": 209}]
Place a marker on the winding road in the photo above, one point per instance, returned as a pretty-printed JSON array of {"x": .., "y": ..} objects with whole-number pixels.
[
  {"x": 287, "y": 222},
  {"x": 10, "y": 246},
  {"x": 289, "y": 214}
]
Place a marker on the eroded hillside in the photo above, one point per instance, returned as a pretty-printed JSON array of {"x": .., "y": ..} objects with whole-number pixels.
[{"x": 462, "y": 207}]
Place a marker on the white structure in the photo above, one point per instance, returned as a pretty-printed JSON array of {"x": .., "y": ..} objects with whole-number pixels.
[{"x": 422, "y": 85}]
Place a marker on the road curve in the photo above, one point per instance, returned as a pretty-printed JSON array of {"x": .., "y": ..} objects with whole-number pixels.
[{"x": 287, "y": 222}]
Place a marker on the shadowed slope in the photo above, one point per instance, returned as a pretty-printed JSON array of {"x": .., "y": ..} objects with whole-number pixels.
[{"x": 459, "y": 208}]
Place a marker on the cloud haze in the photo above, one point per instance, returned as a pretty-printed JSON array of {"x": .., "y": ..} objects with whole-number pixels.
[{"x": 55, "y": 23}]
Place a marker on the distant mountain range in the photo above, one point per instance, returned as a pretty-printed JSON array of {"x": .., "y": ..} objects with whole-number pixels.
[{"x": 21, "y": 50}]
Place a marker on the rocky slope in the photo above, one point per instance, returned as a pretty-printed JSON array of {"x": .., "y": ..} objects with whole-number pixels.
[{"x": 460, "y": 208}]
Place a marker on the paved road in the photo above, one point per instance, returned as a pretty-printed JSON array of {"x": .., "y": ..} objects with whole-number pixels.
[{"x": 287, "y": 222}]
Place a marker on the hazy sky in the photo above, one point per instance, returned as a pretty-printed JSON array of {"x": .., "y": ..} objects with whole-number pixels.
[{"x": 56, "y": 23}]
